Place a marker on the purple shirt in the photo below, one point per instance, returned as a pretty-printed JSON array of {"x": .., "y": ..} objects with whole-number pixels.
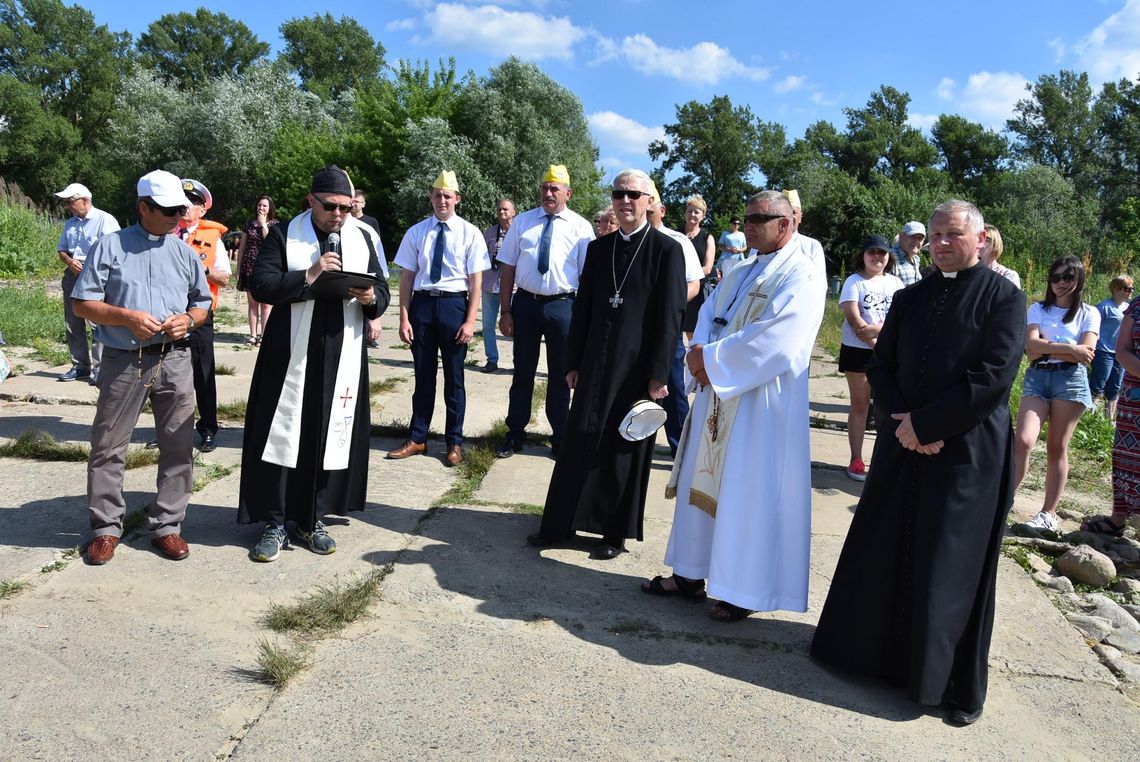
[{"x": 494, "y": 237}]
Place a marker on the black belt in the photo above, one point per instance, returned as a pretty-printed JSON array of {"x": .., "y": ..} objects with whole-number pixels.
[
  {"x": 550, "y": 298},
  {"x": 162, "y": 349},
  {"x": 1046, "y": 365},
  {"x": 440, "y": 294}
]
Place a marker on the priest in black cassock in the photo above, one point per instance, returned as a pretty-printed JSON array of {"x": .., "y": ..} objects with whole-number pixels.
[
  {"x": 912, "y": 599},
  {"x": 623, "y": 333},
  {"x": 307, "y": 427}
]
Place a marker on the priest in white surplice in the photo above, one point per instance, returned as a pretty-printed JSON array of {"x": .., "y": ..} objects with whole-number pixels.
[{"x": 742, "y": 476}]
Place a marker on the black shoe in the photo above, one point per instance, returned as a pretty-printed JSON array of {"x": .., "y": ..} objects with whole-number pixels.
[
  {"x": 75, "y": 374},
  {"x": 963, "y": 717},
  {"x": 208, "y": 444},
  {"x": 537, "y": 540},
  {"x": 94, "y": 380},
  {"x": 373, "y": 344},
  {"x": 605, "y": 551},
  {"x": 554, "y": 448},
  {"x": 507, "y": 449},
  {"x": 151, "y": 445},
  {"x": 490, "y": 366}
]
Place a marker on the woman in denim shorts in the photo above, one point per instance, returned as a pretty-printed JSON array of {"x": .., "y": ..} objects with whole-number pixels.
[{"x": 1060, "y": 342}]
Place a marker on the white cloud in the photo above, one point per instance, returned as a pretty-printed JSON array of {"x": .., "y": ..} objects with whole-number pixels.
[
  {"x": 988, "y": 97},
  {"x": 922, "y": 121},
  {"x": 622, "y": 133},
  {"x": 490, "y": 29},
  {"x": 706, "y": 63},
  {"x": 1112, "y": 50},
  {"x": 819, "y": 99},
  {"x": 1059, "y": 49},
  {"x": 789, "y": 83},
  {"x": 400, "y": 25}
]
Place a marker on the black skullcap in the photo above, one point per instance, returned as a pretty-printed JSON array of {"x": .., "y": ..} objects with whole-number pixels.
[{"x": 332, "y": 179}]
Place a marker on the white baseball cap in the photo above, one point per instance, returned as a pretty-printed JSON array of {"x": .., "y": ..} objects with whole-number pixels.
[
  {"x": 75, "y": 190},
  {"x": 914, "y": 228},
  {"x": 162, "y": 188}
]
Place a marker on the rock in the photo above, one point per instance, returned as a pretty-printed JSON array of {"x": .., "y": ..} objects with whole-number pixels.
[
  {"x": 1108, "y": 653},
  {"x": 1073, "y": 602},
  {"x": 1127, "y": 586},
  {"x": 1038, "y": 564},
  {"x": 1098, "y": 541},
  {"x": 1060, "y": 584},
  {"x": 1128, "y": 642},
  {"x": 1084, "y": 564},
  {"x": 1092, "y": 627},
  {"x": 1065, "y": 513},
  {"x": 1106, "y": 608},
  {"x": 1126, "y": 552},
  {"x": 1132, "y": 609},
  {"x": 1131, "y": 573},
  {"x": 1126, "y": 669}
]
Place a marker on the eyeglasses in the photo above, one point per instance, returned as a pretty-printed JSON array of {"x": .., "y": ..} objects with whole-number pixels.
[
  {"x": 1126, "y": 289},
  {"x": 760, "y": 219},
  {"x": 1062, "y": 277},
  {"x": 632, "y": 195},
  {"x": 330, "y": 207},
  {"x": 167, "y": 211}
]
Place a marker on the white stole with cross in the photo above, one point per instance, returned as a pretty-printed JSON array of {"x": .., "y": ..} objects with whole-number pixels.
[{"x": 284, "y": 442}]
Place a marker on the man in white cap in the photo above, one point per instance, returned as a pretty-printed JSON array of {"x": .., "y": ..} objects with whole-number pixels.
[
  {"x": 811, "y": 248},
  {"x": 307, "y": 423},
  {"x": 908, "y": 252},
  {"x": 205, "y": 238},
  {"x": 542, "y": 255},
  {"x": 443, "y": 258},
  {"x": 85, "y": 226},
  {"x": 145, "y": 290}
]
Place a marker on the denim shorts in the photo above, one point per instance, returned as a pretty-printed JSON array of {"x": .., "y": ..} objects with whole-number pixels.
[{"x": 1066, "y": 384}]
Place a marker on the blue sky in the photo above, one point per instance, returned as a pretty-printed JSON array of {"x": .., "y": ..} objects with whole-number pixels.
[{"x": 632, "y": 61}]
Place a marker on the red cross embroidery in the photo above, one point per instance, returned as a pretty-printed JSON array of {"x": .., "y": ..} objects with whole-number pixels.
[{"x": 346, "y": 397}]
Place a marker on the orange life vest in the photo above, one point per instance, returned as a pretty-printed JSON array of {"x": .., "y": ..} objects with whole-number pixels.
[{"x": 207, "y": 241}]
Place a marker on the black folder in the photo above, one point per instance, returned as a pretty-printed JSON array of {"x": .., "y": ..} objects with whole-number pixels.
[{"x": 334, "y": 284}]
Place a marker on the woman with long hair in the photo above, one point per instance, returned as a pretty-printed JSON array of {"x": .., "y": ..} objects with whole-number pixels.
[
  {"x": 1060, "y": 342},
  {"x": 252, "y": 236},
  {"x": 991, "y": 252},
  {"x": 695, "y": 211}
]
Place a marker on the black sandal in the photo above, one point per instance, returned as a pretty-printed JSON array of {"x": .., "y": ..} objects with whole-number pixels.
[
  {"x": 724, "y": 611},
  {"x": 688, "y": 589},
  {"x": 1103, "y": 525}
]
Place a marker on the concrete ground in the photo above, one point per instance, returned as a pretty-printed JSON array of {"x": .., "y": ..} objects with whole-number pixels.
[{"x": 479, "y": 647}]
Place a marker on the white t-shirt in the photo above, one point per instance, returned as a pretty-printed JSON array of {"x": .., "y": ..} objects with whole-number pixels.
[
  {"x": 874, "y": 299},
  {"x": 1050, "y": 323}
]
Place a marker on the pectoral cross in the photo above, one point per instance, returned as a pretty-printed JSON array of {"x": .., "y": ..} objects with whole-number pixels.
[
  {"x": 616, "y": 300},
  {"x": 346, "y": 397}
]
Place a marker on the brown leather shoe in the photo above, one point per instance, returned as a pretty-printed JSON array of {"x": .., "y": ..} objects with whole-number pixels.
[
  {"x": 172, "y": 546},
  {"x": 102, "y": 549},
  {"x": 407, "y": 449},
  {"x": 454, "y": 455}
]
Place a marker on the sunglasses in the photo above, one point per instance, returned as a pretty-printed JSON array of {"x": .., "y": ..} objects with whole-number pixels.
[
  {"x": 167, "y": 211},
  {"x": 330, "y": 207},
  {"x": 760, "y": 219},
  {"x": 1062, "y": 278},
  {"x": 632, "y": 195}
]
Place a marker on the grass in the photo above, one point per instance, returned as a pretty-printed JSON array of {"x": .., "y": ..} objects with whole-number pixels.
[
  {"x": 138, "y": 457},
  {"x": 28, "y": 313},
  {"x": 831, "y": 327},
  {"x": 135, "y": 520},
  {"x": 39, "y": 445},
  {"x": 276, "y": 665},
  {"x": 61, "y": 563},
  {"x": 224, "y": 315},
  {"x": 211, "y": 473},
  {"x": 28, "y": 241},
  {"x": 234, "y": 410},
  {"x": 477, "y": 461},
  {"x": 12, "y": 587},
  {"x": 384, "y": 385},
  {"x": 401, "y": 345},
  {"x": 221, "y": 369},
  {"x": 51, "y": 352},
  {"x": 330, "y": 608}
]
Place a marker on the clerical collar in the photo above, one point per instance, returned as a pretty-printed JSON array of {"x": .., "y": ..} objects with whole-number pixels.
[
  {"x": 626, "y": 238},
  {"x": 965, "y": 272}
]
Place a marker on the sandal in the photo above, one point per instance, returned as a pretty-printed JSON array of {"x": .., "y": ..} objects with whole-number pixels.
[
  {"x": 1103, "y": 525},
  {"x": 251, "y": 341},
  {"x": 688, "y": 589},
  {"x": 724, "y": 611}
]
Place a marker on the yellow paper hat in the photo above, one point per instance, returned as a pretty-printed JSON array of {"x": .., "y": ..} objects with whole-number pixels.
[
  {"x": 446, "y": 181},
  {"x": 793, "y": 198},
  {"x": 557, "y": 173},
  {"x": 654, "y": 196}
]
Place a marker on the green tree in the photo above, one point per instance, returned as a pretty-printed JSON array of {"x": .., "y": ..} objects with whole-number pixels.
[
  {"x": 1119, "y": 109},
  {"x": 970, "y": 153},
  {"x": 430, "y": 148},
  {"x": 190, "y": 49},
  {"x": 331, "y": 56},
  {"x": 878, "y": 139},
  {"x": 716, "y": 147}
]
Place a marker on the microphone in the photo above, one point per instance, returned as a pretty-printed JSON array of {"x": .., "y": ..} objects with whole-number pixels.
[{"x": 333, "y": 245}]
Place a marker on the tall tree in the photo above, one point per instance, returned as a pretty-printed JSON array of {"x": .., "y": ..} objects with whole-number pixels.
[
  {"x": 1118, "y": 107},
  {"x": 191, "y": 49},
  {"x": 878, "y": 138},
  {"x": 331, "y": 56},
  {"x": 970, "y": 153},
  {"x": 716, "y": 147}
]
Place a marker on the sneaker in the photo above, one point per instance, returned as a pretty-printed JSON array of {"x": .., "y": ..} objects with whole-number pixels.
[
  {"x": 318, "y": 540},
  {"x": 272, "y": 541},
  {"x": 1044, "y": 520},
  {"x": 857, "y": 471},
  {"x": 75, "y": 374},
  {"x": 94, "y": 380}
]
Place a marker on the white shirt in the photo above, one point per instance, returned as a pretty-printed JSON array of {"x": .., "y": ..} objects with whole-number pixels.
[
  {"x": 813, "y": 249},
  {"x": 1050, "y": 322},
  {"x": 80, "y": 233},
  {"x": 465, "y": 253},
  {"x": 693, "y": 269},
  {"x": 873, "y": 298},
  {"x": 570, "y": 235}
]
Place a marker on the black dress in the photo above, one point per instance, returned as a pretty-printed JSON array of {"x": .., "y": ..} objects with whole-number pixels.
[
  {"x": 912, "y": 599},
  {"x": 600, "y": 479},
  {"x": 306, "y": 493},
  {"x": 700, "y": 243}
]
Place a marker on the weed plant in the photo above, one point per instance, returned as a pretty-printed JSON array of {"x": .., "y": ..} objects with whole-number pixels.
[
  {"x": 28, "y": 313},
  {"x": 32, "y": 444},
  {"x": 328, "y": 609},
  {"x": 12, "y": 587},
  {"x": 276, "y": 666},
  {"x": 28, "y": 241},
  {"x": 221, "y": 369}
]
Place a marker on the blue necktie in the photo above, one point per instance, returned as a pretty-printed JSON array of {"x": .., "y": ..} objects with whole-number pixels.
[
  {"x": 437, "y": 253},
  {"x": 544, "y": 245}
]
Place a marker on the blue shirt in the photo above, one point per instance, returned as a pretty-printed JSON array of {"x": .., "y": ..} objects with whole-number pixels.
[
  {"x": 80, "y": 233},
  {"x": 1110, "y": 317},
  {"x": 132, "y": 269}
]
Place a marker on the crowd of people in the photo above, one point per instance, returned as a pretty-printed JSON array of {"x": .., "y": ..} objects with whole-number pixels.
[{"x": 629, "y": 311}]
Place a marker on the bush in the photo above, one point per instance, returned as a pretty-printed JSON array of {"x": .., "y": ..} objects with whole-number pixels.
[
  {"x": 28, "y": 314},
  {"x": 28, "y": 240}
]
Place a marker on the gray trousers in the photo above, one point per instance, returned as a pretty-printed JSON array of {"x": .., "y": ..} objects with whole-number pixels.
[
  {"x": 76, "y": 329},
  {"x": 121, "y": 398}
]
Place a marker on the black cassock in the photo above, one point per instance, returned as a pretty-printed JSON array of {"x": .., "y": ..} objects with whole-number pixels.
[
  {"x": 912, "y": 599},
  {"x": 307, "y": 492},
  {"x": 600, "y": 479}
]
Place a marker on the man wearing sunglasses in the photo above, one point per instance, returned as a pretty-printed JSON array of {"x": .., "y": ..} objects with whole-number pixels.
[
  {"x": 307, "y": 427},
  {"x": 145, "y": 290},
  {"x": 543, "y": 255}
]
